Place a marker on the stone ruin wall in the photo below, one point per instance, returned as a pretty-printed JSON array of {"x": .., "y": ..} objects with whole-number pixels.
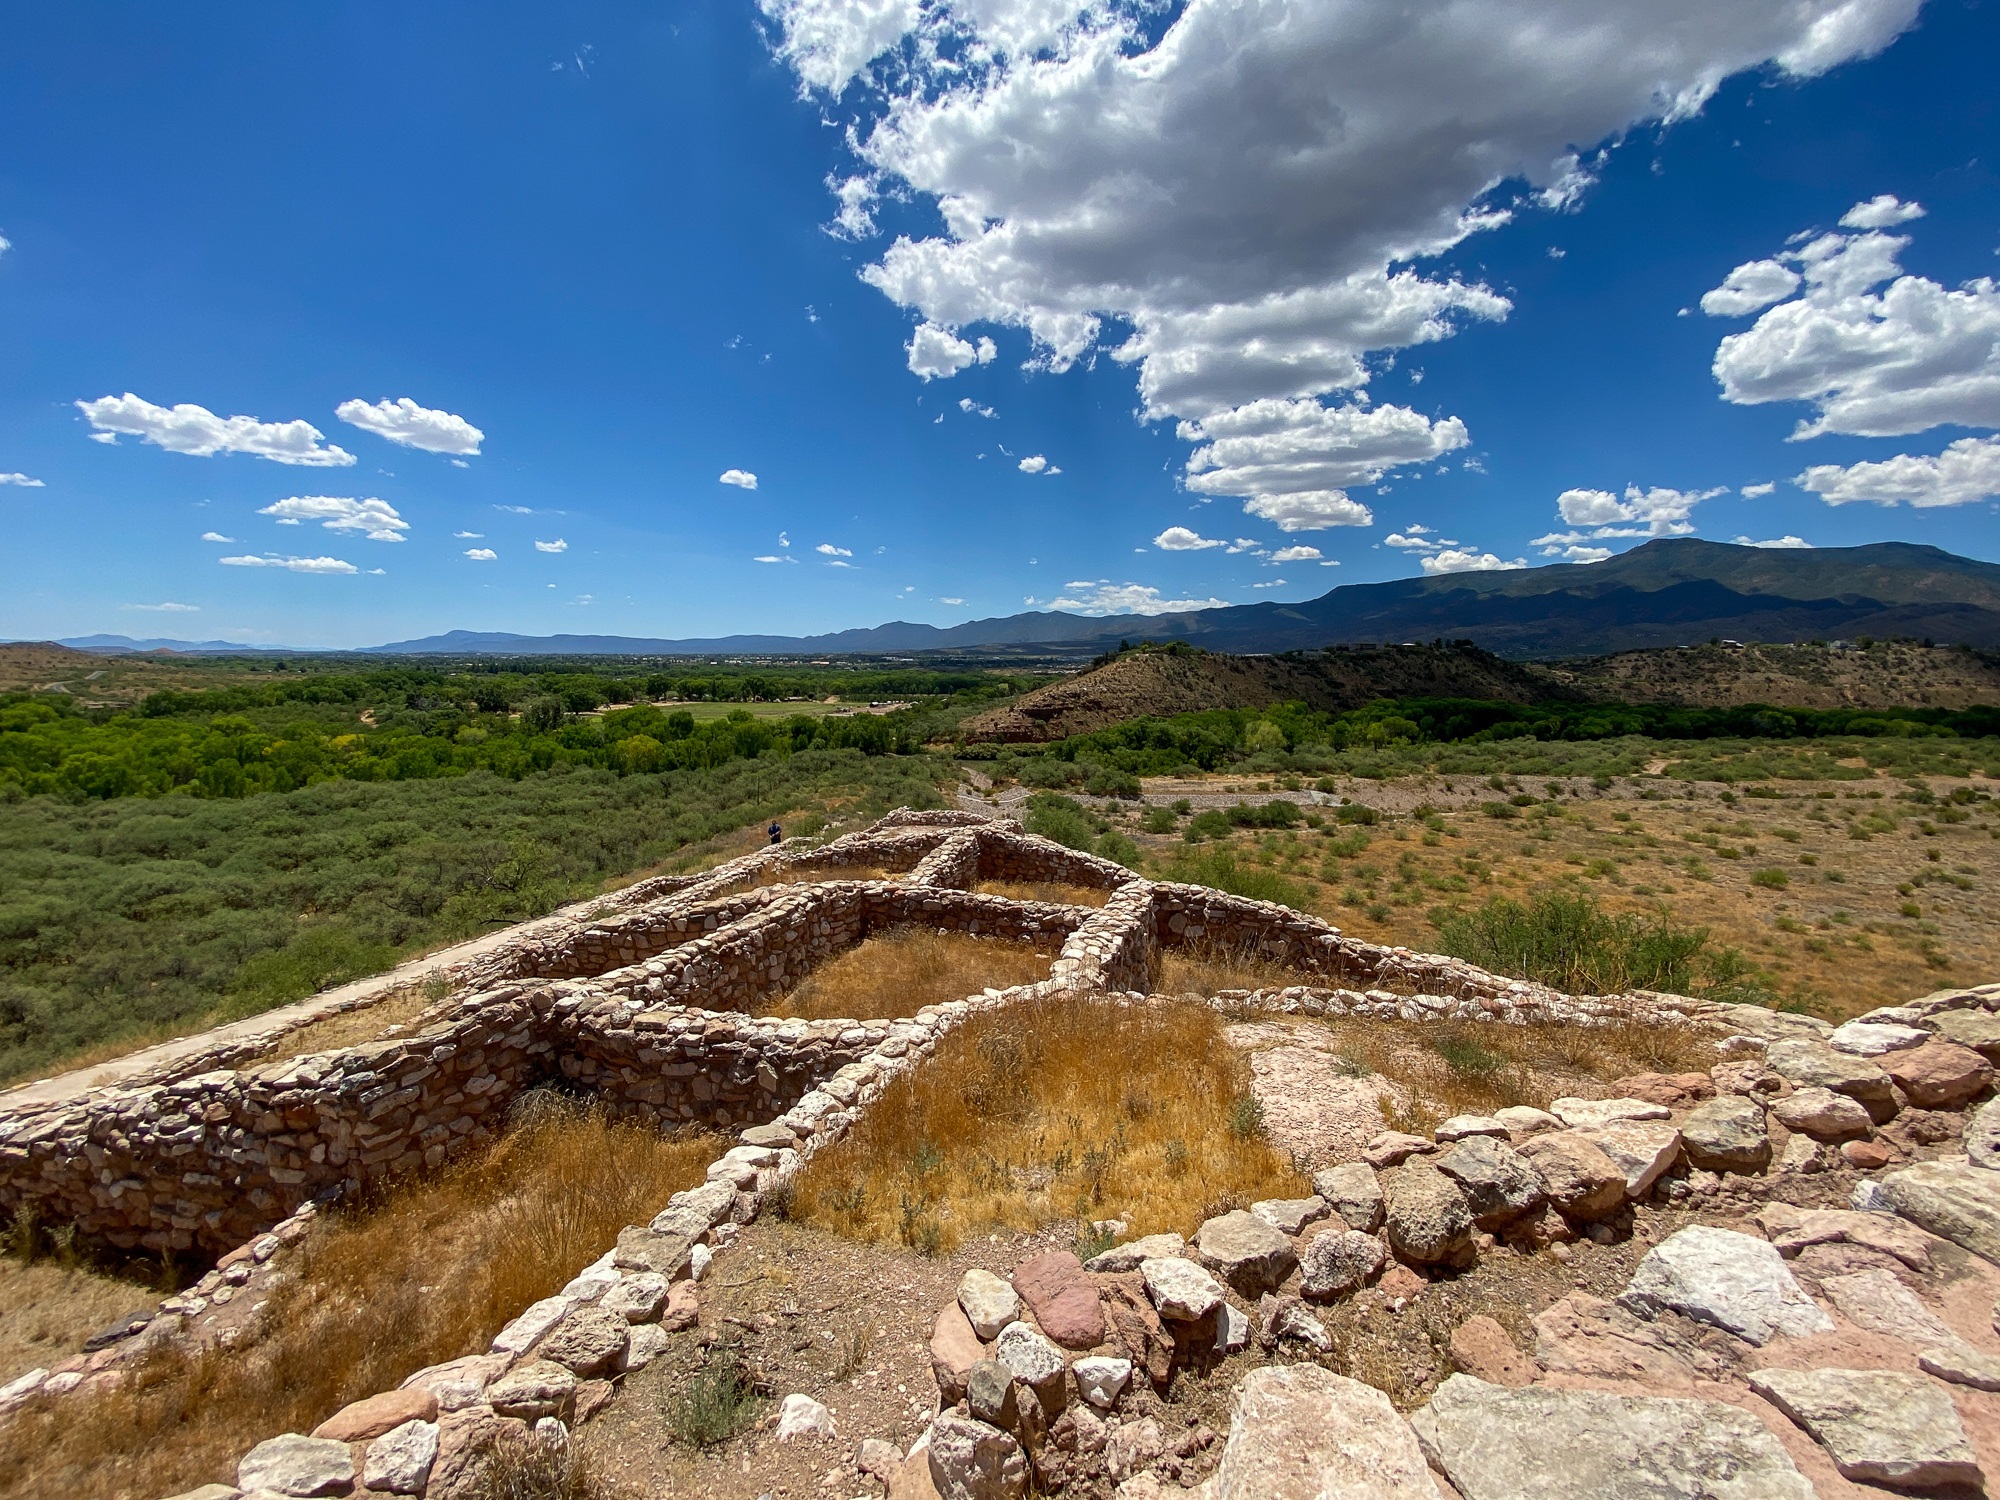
[{"x": 241, "y": 1159}]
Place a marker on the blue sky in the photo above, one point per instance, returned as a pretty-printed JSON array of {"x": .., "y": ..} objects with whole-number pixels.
[{"x": 1346, "y": 296}]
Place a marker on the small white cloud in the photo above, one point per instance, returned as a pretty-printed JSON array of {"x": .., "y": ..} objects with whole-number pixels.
[
  {"x": 292, "y": 564},
  {"x": 743, "y": 479},
  {"x": 784, "y": 539},
  {"x": 459, "y": 463},
  {"x": 936, "y": 353},
  {"x": 1180, "y": 539},
  {"x": 1654, "y": 512},
  {"x": 1275, "y": 583},
  {"x": 774, "y": 558},
  {"x": 1103, "y": 597},
  {"x": 468, "y": 535},
  {"x": 22, "y": 480},
  {"x": 481, "y": 554},
  {"x": 1966, "y": 471},
  {"x": 1556, "y": 252},
  {"x": 1245, "y": 544},
  {"x": 1034, "y": 463},
  {"x": 973, "y": 409},
  {"x": 1756, "y": 491},
  {"x": 413, "y": 426},
  {"x": 216, "y": 536},
  {"x": 1754, "y": 284},
  {"x": 835, "y": 562},
  {"x": 200, "y": 433},
  {"x": 1454, "y": 561},
  {"x": 1578, "y": 553},
  {"x": 1296, "y": 554},
  {"x": 947, "y": 599},
  {"x": 1884, "y": 211},
  {"x": 373, "y": 518},
  {"x": 516, "y": 510},
  {"x": 168, "y": 608},
  {"x": 1786, "y": 542},
  {"x": 109, "y": 439},
  {"x": 558, "y": 545},
  {"x": 827, "y": 549}
]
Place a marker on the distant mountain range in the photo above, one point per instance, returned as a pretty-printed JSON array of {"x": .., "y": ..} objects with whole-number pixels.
[{"x": 1671, "y": 592}]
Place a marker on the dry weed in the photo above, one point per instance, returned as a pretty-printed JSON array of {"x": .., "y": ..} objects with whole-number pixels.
[
  {"x": 1044, "y": 890},
  {"x": 816, "y": 875},
  {"x": 350, "y": 1028},
  {"x": 898, "y": 972},
  {"x": 1071, "y": 1108},
  {"x": 1207, "y": 969},
  {"x": 427, "y": 1271},
  {"x": 48, "y": 1308},
  {"x": 1473, "y": 1068}
]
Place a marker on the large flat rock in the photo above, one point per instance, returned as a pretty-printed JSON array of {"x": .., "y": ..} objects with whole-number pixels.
[
  {"x": 1298, "y": 1432},
  {"x": 1493, "y": 1443},
  {"x": 1953, "y": 1200},
  {"x": 1877, "y": 1425},
  {"x": 1732, "y": 1281}
]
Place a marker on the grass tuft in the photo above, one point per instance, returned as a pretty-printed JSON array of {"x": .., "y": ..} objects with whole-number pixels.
[
  {"x": 1017, "y": 1123},
  {"x": 714, "y": 1405},
  {"x": 897, "y": 973}
]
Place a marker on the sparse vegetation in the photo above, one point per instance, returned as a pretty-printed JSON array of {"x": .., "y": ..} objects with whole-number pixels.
[
  {"x": 715, "y": 1404},
  {"x": 127, "y": 921},
  {"x": 426, "y": 1271},
  {"x": 898, "y": 973},
  {"x": 1017, "y": 1123}
]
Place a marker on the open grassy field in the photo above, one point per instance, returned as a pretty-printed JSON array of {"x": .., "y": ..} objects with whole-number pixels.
[{"x": 1839, "y": 896}]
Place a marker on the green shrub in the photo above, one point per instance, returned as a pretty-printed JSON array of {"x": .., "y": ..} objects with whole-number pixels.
[
  {"x": 1570, "y": 943},
  {"x": 1218, "y": 868},
  {"x": 1776, "y": 880},
  {"x": 715, "y": 1404}
]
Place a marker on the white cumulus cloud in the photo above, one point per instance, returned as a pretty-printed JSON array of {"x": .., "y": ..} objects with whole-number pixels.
[
  {"x": 558, "y": 545},
  {"x": 742, "y": 479},
  {"x": 1181, "y": 539},
  {"x": 1757, "y": 491},
  {"x": 1883, "y": 211},
  {"x": 1291, "y": 461},
  {"x": 1295, "y": 554},
  {"x": 936, "y": 353},
  {"x": 1876, "y": 352},
  {"x": 973, "y": 409},
  {"x": 1966, "y": 471},
  {"x": 481, "y": 554},
  {"x": 947, "y": 599},
  {"x": 774, "y": 558},
  {"x": 1578, "y": 552},
  {"x": 1650, "y": 512},
  {"x": 403, "y": 421},
  {"x": 1784, "y": 543},
  {"x": 196, "y": 430},
  {"x": 1452, "y": 560},
  {"x": 827, "y": 549},
  {"x": 375, "y": 519},
  {"x": 216, "y": 536},
  {"x": 1035, "y": 463},
  {"x": 292, "y": 564},
  {"x": 22, "y": 480},
  {"x": 1754, "y": 284},
  {"x": 1103, "y": 597},
  {"x": 1250, "y": 189}
]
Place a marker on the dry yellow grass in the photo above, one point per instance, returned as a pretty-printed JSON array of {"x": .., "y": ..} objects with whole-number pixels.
[
  {"x": 817, "y": 874},
  {"x": 897, "y": 973},
  {"x": 1468, "y": 1068},
  {"x": 428, "y": 1271},
  {"x": 1073, "y": 1108},
  {"x": 47, "y": 1309},
  {"x": 351, "y": 1027},
  {"x": 1206, "y": 970},
  {"x": 1044, "y": 890}
]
